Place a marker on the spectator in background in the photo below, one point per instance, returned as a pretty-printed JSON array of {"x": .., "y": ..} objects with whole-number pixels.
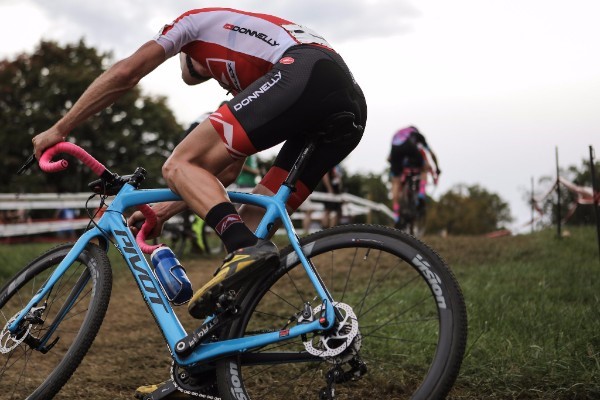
[
  {"x": 66, "y": 214},
  {"x": 250, "y": 173},
  {"x": 332, "y": 182},
  {"x": 332, "y": 210}
]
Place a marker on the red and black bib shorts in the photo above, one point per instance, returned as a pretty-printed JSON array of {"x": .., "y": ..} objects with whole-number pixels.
[{"x": 306, "y": 86}]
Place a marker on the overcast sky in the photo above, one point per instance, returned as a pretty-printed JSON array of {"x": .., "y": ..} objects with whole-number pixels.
[{"x": 495, "y": 85}]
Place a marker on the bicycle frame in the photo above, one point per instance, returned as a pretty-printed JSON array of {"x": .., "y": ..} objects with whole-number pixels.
[{"x": 112, "y": 223}]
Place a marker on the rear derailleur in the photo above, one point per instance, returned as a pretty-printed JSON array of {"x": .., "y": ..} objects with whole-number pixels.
[{"x": 337, "y": 375}]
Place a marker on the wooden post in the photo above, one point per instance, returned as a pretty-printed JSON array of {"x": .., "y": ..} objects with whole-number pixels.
[
  {"x": 532, "y": 205},
  {"x": 558, "y": 216},
  {"x": 595, "y": 196}
]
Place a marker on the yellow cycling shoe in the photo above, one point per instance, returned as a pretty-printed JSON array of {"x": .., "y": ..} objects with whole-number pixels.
[
  {"x": 237, "y": 266},
  {"x": 166, "y": 390}
]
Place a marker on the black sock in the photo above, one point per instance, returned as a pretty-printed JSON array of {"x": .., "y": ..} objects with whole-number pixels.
[{"x": 228, "y": 224}]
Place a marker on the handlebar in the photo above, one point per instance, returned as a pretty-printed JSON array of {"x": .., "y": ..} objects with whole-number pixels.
[{"x": 47, "y": 165}]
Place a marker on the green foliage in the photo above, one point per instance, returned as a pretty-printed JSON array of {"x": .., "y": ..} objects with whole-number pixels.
[
  {"x": 37, "y": 89},
  {"x": 467, "y": 210}
]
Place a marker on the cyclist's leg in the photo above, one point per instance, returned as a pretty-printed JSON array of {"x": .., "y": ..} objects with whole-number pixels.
[
  {"x": 396, "y": 192},
  {"x": 400, "y": 158},
  {"x": 193, "y": 168},
  {"x": 192, "y": 172}
]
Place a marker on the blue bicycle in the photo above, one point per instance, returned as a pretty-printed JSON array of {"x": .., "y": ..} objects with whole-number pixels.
[{"x": 352, "y": 312}]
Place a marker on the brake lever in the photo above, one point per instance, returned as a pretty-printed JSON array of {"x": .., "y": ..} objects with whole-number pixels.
[{"x": 30, "y": 161}]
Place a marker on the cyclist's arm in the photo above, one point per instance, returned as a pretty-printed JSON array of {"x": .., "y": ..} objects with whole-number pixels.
[
  {"x": 435, "y": 161},
  {"x": 104, "y": 91}
]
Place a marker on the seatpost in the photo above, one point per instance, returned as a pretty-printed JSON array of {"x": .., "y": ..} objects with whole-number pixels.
[{"x": 299, "y": 165}]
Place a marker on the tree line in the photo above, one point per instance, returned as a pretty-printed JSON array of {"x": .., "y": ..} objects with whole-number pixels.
[{"x": 38, "y": 88}]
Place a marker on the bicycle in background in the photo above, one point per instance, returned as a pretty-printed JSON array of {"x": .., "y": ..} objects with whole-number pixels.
[
  {"x": 187, "y": 233},
  {"x": 353, "y": 311},
  {"x": 412, "y": 207}
]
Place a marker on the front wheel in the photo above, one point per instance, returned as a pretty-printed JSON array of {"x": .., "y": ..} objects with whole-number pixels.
[
  {"x": 54, "y": 337},
  {"x": 402, "y": 335}
]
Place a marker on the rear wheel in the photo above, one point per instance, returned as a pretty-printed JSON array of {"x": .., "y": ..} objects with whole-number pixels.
[
  {"x": 55, "y": 336},
  {"x": 403, "y": 334}
]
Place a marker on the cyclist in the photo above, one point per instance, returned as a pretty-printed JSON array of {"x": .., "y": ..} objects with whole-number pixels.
[
  {"x": 286, "y": 80},
  {"x": 409, "y": 150}
]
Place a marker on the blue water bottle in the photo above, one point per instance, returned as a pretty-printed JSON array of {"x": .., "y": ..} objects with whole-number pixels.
[{"x": 171, "y": 276}]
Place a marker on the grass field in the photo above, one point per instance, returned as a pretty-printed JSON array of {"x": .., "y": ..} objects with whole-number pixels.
[{"x": 534, "y": 320}]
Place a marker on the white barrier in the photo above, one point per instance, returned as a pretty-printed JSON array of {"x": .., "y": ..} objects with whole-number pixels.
[{"x": 351, "y": 206}]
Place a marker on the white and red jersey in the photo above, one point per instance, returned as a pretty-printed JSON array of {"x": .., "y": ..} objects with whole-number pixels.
[{"x": 237, "y": 47}]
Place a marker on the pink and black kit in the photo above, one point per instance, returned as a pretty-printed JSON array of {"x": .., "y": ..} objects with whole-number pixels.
[{"x": 286, "y": 79}]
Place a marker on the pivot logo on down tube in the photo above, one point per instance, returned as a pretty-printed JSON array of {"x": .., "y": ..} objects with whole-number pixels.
[
  {"x": 432, "y": 278},
  {"x": 133, "y": 258}
]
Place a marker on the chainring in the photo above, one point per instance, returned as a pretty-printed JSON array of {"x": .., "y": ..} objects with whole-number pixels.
[{"x": 204, "y": 387}]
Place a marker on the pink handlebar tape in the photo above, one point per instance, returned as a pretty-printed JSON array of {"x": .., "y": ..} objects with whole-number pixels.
[{"x": 47, "y": 165}]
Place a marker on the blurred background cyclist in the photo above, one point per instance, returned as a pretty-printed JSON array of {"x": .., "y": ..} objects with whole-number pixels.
[{"x": 409, "y": 150}]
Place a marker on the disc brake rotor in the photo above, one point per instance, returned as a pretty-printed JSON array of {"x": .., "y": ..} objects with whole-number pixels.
[
  {"x": 9, "y": 341},
  {"x": 344, "y": 339}
]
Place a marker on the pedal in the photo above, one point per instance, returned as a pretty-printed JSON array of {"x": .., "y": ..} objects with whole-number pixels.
[
  {"x": 162, "y": 392},
  {"x": 226, "y": 303}
]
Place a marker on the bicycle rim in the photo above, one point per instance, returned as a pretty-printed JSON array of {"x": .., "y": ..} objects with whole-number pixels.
[
  {"x": 410, "y": 311},
  {"x": 80, "y": 296}
]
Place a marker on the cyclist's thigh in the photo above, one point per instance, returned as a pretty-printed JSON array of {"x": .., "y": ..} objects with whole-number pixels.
[{"x": 397, "y": 156}]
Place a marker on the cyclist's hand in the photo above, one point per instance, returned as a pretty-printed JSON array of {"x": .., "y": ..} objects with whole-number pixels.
[
  {"x": 137, "y": 219},
  {"x": 46, "y": 139}
]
